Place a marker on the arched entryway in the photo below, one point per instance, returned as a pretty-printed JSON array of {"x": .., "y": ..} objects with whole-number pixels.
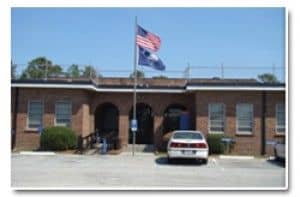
[
  {"x": 144, "y": 115},
  {"x": 107, "y": 121},
  {"x": 176, "y": 116}
]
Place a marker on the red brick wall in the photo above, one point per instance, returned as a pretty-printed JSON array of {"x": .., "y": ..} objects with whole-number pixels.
[
  {"x": 12, "y": 102},
  {"x": 272, "y": 99},
  {"x": 28, "y": 139},
  {"x": 84, "y": 104},
  {"x": 158, "y": 103},
  {"x": 245, "y": 144}
]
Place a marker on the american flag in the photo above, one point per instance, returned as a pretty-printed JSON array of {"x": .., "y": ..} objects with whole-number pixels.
[{"x": 147, "y": 39}]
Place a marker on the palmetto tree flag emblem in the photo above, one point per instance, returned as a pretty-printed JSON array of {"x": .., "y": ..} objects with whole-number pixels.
[
  {"x": 148, "y": 43},
  {"x": 148, "y": 58}
]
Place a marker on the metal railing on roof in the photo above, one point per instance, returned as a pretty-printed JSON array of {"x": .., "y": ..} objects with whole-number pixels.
[{"x": 190, "y": 71}]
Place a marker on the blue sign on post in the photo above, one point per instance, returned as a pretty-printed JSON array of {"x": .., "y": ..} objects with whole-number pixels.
[{"x": 134, "y": 125}]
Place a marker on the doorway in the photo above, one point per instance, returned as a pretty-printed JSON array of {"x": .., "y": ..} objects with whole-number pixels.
[
  {"x": 144, "y": 115},
  {"x": 107, "y": 121}
]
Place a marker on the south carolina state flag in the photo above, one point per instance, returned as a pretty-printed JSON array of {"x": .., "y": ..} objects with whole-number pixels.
[{"x": 147, "y": 58}]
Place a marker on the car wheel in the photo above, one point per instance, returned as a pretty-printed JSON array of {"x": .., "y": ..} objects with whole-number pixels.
[{"x": 170, "y": 161}]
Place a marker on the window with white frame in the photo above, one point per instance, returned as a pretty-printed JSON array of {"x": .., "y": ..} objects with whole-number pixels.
[
  {"x": 35, "y": 114},
  {"x": 216, "y": 117},
  {"x": 280, "y": 118},
  {"x": 63, "y": 112},
  {"x": 244, "y": 113}
]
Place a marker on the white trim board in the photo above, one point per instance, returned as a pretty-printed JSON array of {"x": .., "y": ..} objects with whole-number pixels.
[
  {"x": 91, "y": 87},
  {"x": 188, "y": 88},
  {"x": 236, "y": 88}
]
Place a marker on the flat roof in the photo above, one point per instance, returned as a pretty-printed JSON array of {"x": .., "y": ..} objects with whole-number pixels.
[{"x": 168, "y": 85}]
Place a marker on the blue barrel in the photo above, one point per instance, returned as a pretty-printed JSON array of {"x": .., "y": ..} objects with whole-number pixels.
[{"x": 184, "y": 121}]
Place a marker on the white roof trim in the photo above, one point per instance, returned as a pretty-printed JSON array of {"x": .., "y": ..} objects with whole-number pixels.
[
  {"x": 91, "y": 87},
  {"x": 236, "y": 88},
  {"x": 188, "y": 88}
]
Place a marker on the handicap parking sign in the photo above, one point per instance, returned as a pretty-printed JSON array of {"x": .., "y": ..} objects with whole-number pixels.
[{"x": 133, "y": 125}]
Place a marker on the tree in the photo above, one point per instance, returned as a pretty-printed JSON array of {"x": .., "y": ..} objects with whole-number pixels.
[
  {"x": 13, "y": 71},
  {"x": 41, "y": 67},
  {"x": 160, "y": 77},
  {"x": 268, "y": 78},
  {"x": 89, "y": 71},
  {"x": 73, "y": 71},
  {"x": 54, "y": 71},
  {"x": 139, "y": 74},
  {"x": 36, "y": 68}
]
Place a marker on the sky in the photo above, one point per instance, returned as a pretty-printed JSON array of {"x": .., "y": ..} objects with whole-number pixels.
[{"x": 199, "y": 37}]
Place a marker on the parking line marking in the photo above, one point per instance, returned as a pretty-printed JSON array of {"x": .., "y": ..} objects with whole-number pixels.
[
  {"x": 214, "y": 161},
  {"x": 36, "y": 153},
  {"x": 236, "y": 157}
]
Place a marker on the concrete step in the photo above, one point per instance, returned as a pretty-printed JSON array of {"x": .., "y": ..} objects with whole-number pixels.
[{"x": 140, "y": 148}]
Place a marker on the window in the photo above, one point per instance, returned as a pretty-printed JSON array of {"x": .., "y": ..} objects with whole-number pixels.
[
  {"x": 244, "y": 118},
  {"x": 35, "y": 114},
  {"x": 216, "y": 117},
  {"x": 188, "y": 135},
  {"x": 280, "y": 118},
  {"x": 63, "y": 113}
]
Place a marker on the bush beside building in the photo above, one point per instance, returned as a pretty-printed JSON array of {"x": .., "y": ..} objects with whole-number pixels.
[{"x": 58, "y": 138}]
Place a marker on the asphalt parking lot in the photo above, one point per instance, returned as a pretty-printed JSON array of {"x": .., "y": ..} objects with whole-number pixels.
[{"x": 143, "y": 171}]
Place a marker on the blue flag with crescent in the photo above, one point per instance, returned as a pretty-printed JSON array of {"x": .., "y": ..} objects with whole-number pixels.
[{"x": 148, "y": 58}]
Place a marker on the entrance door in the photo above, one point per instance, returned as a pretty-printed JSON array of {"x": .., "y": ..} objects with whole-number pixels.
[
  {"x": 107, "y": 121},
  {"x": 144, "y": 134}
]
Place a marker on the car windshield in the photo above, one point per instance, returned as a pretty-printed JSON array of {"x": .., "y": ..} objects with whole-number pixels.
[{"x": 187, "y": 135}]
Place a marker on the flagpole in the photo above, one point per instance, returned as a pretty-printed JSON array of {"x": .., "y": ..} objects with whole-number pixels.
[{"x": 135, "y": 82}]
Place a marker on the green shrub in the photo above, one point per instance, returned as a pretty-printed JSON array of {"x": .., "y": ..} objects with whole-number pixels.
[
  {"x": 58, "y": 138},
  {"x": 215, "y": 144}
]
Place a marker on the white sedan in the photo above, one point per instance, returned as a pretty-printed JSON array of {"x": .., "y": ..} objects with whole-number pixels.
[{"x": 187, "y": 144}]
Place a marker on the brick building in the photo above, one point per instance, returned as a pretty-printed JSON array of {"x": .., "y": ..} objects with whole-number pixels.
[{"x": 251, "y": 112}]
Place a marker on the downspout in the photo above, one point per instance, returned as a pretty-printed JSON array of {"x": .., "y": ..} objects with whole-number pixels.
[
  {"x": 263, "y": 124},
  {"x": 14, "y": 127}
]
